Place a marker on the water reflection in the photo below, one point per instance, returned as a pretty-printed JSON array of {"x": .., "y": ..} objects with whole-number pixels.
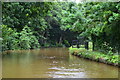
[{"x": 53, "y": 63}]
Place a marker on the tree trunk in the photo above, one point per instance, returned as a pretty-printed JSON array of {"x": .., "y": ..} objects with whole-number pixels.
[
  {"x": 93, "y": 40},
  {"x": 60, "y": 40},
  {"x": 86, "y": 45},
  {"x": 93, "y": 46}
]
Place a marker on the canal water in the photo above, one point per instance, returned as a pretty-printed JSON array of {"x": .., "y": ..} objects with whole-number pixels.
[{"x": 52, "y": 63}]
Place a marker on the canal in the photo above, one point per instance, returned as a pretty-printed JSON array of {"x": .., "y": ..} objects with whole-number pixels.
[{"x": 52, "y": 63}]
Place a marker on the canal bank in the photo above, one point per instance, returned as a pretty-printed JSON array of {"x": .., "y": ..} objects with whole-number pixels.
[{"x": 95, "y": 56}]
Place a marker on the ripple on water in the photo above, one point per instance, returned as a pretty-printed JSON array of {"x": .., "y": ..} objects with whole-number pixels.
[
  {"x": 62, "y": 72},
  {"x": 64, "y": 69}
]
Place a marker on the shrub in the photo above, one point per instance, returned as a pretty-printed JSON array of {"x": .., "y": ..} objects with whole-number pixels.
[
  {"x": 10, "y": 38},
  {"x": 23, "y": 40},
  {"x": 27, "y": 39}
]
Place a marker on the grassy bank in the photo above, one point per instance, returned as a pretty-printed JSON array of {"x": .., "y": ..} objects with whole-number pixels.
[{"x": 95, "y": 56}]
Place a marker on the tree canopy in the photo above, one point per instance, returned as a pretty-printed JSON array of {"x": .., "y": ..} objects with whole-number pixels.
[{"x": 33, "y": 24}]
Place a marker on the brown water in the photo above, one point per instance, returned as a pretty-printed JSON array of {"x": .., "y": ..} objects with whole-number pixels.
[{"x": 53, "y": 63}]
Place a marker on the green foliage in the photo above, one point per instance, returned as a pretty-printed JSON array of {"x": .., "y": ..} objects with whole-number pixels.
[
  {"x": 27, "y": 39},
  {"x": 59, "y": 45},
  {"x": 57, "y": 23},
  {"x": 46, "y": 45},
  {"x": 98, "y": 21},
  {"x": 13, "y": 40},
  {"x": 95, "y": 55},
  {"x": 66, "y": 43},
  {"x": 10, "y": 40}
]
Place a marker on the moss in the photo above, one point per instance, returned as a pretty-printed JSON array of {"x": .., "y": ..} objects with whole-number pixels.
[{"x": 95, "y": 56}]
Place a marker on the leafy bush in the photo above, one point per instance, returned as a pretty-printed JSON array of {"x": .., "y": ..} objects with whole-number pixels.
[
  {"x": 59, "y": 44},
  {"x": 13, "y": 40},
  {"x": 27, "y": 39},
  {"x": 46, "y": 45},
  {"x": 10, "y": 38},
  {"x": 66, "y": 43}
]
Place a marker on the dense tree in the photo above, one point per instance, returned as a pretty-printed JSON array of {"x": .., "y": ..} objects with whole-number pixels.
[
  {"x": 51, "y": 24},
  {"x": 99, "y": 22},
  {"x": 43, "y": 21}
]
